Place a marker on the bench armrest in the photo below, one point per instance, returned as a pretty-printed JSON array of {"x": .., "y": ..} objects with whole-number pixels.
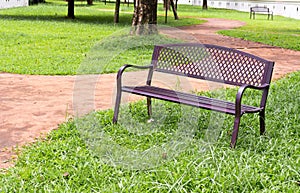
[
  {"x": 239, "y": 95},
  {"x": 123, "y": 68}
]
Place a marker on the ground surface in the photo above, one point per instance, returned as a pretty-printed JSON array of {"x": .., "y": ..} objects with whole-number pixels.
[{"x": 34, "y": 105}]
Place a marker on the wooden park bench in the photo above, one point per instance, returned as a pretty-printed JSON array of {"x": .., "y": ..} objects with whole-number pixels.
[
  {"x": 261, "y": 10},
  {"x": 206, "y": 62}
]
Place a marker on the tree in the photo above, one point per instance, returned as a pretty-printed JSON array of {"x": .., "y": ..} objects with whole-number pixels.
[
  {"x": 204, "y": 5},
  {"x": 71, "y": 9},
  {"x": 167, "y": 6},
  {"x": 144, "y": 18},
  {"x": 174, "y": 8},
  {"x": 117, "y": 11},
  {"x": 89, "y": 2}
]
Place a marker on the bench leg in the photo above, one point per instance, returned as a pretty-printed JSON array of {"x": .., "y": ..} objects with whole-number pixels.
[
  {"x": 149, "y": 107},
  {"x": 117, "y": 107},
  {"x": 262, "y": 122},
  {"x": 235, "y": 131}
]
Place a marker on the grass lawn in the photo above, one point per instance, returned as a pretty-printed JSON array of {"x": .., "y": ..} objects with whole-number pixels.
[
  {"x": 282, "y": 32},
  {"x": 39, "y": 40},
  {"x": 93, "y": 155},
  {"x": 185, "y": 150}
]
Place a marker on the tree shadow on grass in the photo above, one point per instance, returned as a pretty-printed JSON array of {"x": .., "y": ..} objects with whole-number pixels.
[
  {"x": 89, "y": 16},
  {"x": 88, "y": 19}
]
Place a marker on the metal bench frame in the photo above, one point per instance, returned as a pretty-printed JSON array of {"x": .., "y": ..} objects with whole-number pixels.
[
  {"x": 261, "y": 10},
  {"x": 206, "y": 62}
]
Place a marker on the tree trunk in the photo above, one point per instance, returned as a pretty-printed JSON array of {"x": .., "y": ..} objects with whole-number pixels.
[
  {"x": 144, "y": 17},
  {"x": 89, "y": 2},
  {"x": 174, "y": 10},
  {"x": 117, "y": 11},
  {"x": 71, "y": 9},
  {"x": 204, "y": 5},
  {"x": 167, "y": 4}
]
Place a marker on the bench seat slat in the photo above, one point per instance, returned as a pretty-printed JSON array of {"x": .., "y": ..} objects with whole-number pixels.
[{"x": 189, "y": 99}]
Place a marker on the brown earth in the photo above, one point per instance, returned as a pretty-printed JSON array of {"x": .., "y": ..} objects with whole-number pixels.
[{"x": 34, "y": 105}]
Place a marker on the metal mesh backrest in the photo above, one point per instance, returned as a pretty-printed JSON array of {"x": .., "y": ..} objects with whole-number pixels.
[{"x": 210, "y": 62}]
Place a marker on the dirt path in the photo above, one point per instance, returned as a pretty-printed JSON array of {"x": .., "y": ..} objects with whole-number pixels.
[{"x": 34, "y": 105}]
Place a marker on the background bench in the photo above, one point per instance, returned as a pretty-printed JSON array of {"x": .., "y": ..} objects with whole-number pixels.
[
  {"x": 261, "y": 10},
  {"x": 206, "y": 62}
]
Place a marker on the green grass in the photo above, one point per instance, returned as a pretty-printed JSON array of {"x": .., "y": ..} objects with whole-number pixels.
[
  {"x": 118, "y": 49},
  {"x": 283, "y": 32},
  {"x": 40, "y": 40},
  {"x": 93, "y": 155},
  {"x": 280, "y": 34}
]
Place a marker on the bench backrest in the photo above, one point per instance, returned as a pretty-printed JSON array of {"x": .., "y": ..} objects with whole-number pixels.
[
  {"x": 211, "y": 62},
  {"x": 259, "y": 9}
]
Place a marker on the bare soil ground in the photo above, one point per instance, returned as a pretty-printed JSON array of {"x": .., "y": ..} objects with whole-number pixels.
[{"x": 31, "y": 106}]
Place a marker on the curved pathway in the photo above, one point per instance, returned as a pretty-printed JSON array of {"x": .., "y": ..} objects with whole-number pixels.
[{"x": 31, "y": 106}]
